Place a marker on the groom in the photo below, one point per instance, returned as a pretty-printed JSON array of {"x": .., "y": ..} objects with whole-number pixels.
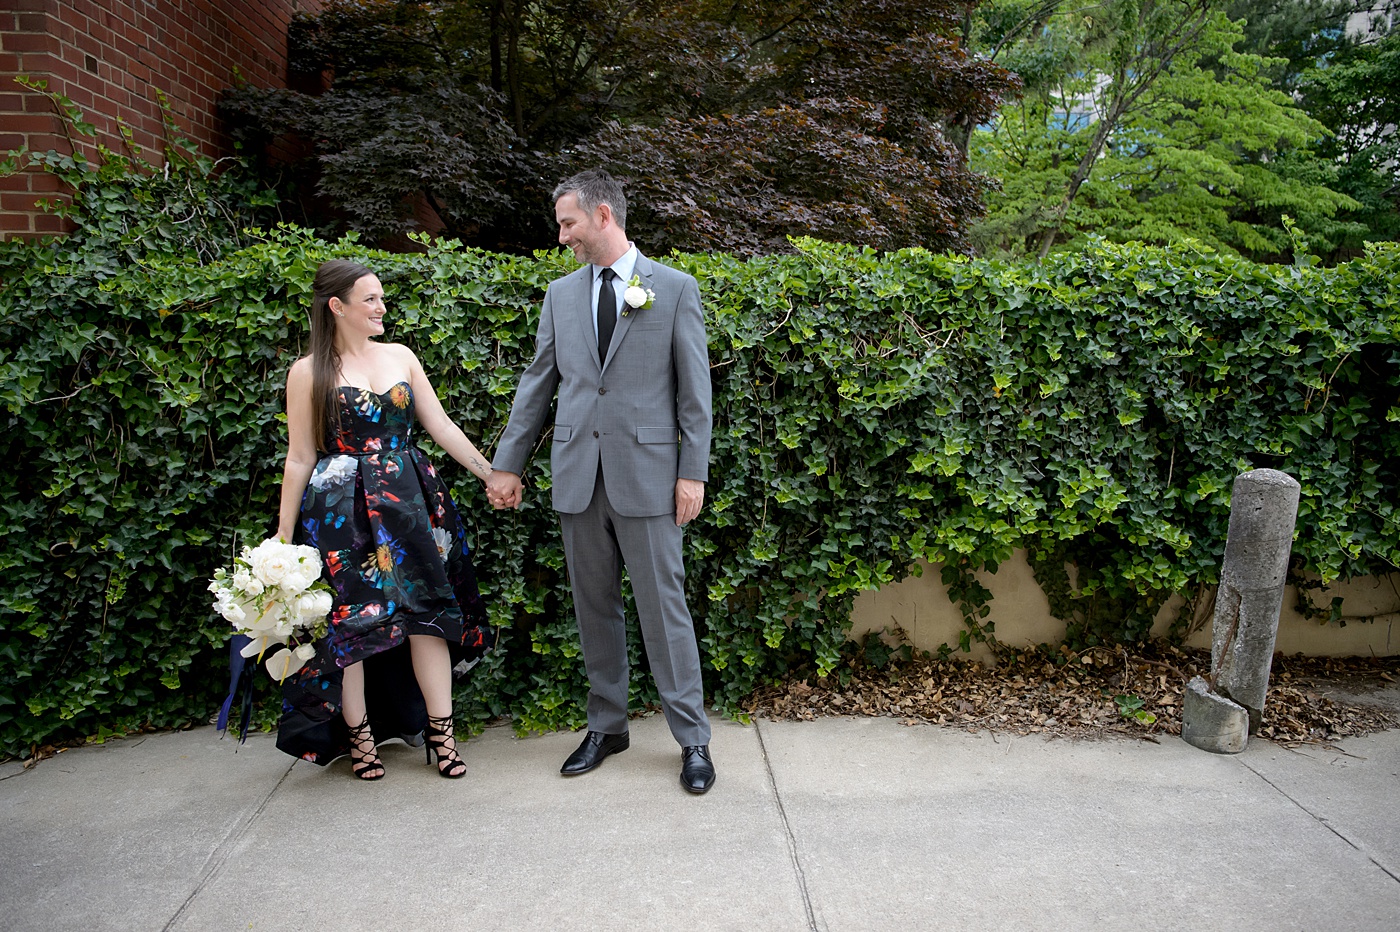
[{"x": 622, "y": 340}]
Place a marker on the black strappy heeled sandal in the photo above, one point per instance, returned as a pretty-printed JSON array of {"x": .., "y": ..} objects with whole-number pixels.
[
  {"x": 360, "y": 735},
  {"x": 437, "y": 733}
]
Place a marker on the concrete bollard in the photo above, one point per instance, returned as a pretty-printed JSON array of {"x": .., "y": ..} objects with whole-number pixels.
[
  {"x": 1211, "y": 722},
  {"x": 1263, "y": 509}
]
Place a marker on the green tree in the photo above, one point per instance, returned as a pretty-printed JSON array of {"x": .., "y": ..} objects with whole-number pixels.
[
  {"x": 741, "y": 123},
  {"x": 1294, "y": 34},
  {"x": 1142, "y": 121},
  {"x": 1354, "y": 94}
]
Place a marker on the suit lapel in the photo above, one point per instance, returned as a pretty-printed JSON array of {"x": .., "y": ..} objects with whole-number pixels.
[
  {"x": 643, "y": 270},
  {"x": 581, "y": 297}
]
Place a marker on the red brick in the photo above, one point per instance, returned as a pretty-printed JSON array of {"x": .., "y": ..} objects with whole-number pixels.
[
  {"x": 10, "y": 141},
  {"x": 49, "y": 223},
  {"x": 144, "y": 29},
  {"x": 11, "y": 223},
  {"x": 72, "y": 52},
  {"x": 43, "y": 182},
  {"x": 29, "y": 123},
  {"x": 92, "y": 41},
  {"x": 62, "y": 70},
  {"x": 63, "y": 32},
  {"x": 145, "y": 139},
  {"x": 126, "y": 47},
  {"x": 43, "y": 142},
  {"x": 189, "y": 48},
  {"x": 11, "y": 103},
  {"x": 17, "y": 201},
  {"x": 119, "y": 96},
  {"x": 35, "y": 22},
  {"x": 28, "y": 42},
  {"x": 81, "y": 97}
]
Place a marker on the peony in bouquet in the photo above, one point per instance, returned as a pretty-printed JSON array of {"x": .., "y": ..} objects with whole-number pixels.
[{"x": 274, "y": 594}]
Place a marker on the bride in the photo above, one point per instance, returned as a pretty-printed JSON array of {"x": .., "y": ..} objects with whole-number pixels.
[{"x": 393, "y": 548}]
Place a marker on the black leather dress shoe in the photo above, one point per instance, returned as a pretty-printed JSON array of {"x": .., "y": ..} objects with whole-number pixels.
[
  {"x": 697, "y": 772},
  {"x": 591, "y": 752}
]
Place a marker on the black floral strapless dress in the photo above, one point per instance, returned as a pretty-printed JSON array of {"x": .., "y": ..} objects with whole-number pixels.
[{"x": 394, "y": 551}]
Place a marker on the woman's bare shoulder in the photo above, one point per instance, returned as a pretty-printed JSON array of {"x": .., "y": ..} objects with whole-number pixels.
[{"x": 301, "y": 370}]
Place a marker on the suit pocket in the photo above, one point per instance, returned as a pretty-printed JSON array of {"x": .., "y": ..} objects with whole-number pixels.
[
  {"x": 562, "y": 433},
  {"x": 658, "y": 435}
]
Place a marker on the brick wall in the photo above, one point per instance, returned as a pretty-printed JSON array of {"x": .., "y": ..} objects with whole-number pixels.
[{"x": 113, "y": 58}]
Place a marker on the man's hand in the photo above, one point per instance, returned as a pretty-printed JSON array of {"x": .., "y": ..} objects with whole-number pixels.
[
  {"x": 690, "y": 495},
  {"x": 503, "y": 489}
]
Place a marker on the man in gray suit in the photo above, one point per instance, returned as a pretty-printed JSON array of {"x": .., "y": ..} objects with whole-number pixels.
[{"x": 622, "y": 341}]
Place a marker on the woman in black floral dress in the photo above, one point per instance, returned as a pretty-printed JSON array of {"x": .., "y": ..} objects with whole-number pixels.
[{"x": 358, "y": 489}]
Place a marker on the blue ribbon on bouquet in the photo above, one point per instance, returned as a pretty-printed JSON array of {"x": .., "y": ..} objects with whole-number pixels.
[{"x": 240, "y": 687}]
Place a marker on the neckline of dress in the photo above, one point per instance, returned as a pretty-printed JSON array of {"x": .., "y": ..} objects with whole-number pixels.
[{"x": 357, "y": 388}]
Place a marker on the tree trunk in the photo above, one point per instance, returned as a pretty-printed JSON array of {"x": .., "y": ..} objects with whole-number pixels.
[
  {"x": 513, "y": 70},
  {"x": 497, "y": 9},
  {"x": 1081, "y": 172}
]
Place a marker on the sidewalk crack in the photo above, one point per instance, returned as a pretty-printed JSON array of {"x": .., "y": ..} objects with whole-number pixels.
[
  {"x": 800, "y": 874},
  {"x": 1394, "y": 875},
  {"x": 219, "y": 857}
]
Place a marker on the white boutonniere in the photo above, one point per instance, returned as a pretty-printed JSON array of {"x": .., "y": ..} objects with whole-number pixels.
[{"x": 636, "y": 298}]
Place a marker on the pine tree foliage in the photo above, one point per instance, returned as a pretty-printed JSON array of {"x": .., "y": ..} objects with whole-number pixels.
[{"x": 1152, "y": 122}]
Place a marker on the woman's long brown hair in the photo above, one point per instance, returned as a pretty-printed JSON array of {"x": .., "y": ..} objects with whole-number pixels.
[{"x": 334, "y": 279}]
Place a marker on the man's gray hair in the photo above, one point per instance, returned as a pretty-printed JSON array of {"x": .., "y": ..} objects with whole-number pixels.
[{"x": 595, "y": 187}]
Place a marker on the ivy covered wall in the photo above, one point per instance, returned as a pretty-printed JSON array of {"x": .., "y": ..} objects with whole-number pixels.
[{"x": 871, "y": 410}]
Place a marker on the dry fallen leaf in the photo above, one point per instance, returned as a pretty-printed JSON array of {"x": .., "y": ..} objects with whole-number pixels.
[{"x": 1028, "y": 693}]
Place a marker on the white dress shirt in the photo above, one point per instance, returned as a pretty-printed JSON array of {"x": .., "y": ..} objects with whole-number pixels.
[{"x": 623, "y": 268}]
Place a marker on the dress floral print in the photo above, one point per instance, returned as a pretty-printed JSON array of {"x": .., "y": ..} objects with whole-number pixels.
[{"x": 395, "y": 555}]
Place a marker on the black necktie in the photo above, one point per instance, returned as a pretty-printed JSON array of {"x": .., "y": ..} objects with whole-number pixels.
[{"x": 607, "y": 313}]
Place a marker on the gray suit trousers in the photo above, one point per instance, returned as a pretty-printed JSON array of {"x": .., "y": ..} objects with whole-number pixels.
[{"x": 597, "y": 543}]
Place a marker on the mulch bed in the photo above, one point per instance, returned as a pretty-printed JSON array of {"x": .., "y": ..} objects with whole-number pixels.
[{"x": 1093, "y": 693}]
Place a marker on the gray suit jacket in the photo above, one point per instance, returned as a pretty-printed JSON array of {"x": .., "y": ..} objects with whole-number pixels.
[{"x": 645, "y": 410}]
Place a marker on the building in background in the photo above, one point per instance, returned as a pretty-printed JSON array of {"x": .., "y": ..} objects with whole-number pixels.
[{"x": 115, "y": 59}]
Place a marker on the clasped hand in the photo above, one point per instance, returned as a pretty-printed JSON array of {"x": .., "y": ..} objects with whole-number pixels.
[{"x": 503, "y": 489}]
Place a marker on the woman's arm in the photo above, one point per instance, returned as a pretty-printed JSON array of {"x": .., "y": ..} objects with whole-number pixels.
[
  {"x": 301, "y": 447},
  {"x": 439, "y": 426}
]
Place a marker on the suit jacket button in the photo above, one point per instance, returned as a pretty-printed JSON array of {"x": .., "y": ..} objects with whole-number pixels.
[
  {"x": 602, "y": 391},
  {"x": 595, "y": 434}
]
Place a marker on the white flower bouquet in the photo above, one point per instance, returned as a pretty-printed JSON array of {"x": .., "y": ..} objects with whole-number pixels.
[{"x": 274, "y": 594}]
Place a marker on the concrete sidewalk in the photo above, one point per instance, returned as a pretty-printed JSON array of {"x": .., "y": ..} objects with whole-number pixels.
[{"x": 839, "y": 824}]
